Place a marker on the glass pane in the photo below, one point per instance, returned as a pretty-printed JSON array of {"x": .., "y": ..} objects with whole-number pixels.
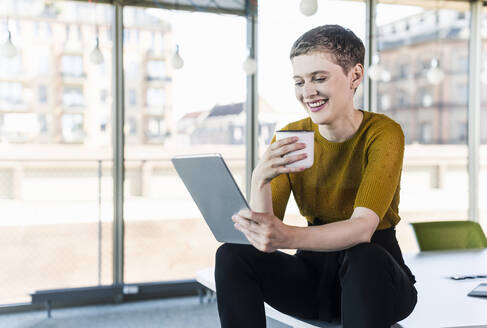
[
  {"x": 483, "y": 123},
  {"x": 423, "y": 60},
  {"x": 197, "y": 109},
  {"x": 277, "y": 33},
  {"x": 55, "y": 149}
]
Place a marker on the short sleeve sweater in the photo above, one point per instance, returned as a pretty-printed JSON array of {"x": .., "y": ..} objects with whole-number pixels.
[{"x": 363, "y": 171}]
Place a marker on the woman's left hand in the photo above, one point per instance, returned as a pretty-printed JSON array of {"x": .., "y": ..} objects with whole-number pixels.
[{"x": 264, "y": 231}]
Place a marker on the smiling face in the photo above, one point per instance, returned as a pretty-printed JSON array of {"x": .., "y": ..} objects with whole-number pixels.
[{"x": 323, "y": 88}]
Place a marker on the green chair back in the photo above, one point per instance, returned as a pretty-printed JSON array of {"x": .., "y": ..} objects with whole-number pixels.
[{"x": 443, "y": 235}]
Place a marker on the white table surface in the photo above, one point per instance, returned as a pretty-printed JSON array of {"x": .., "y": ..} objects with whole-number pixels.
[{"x": 443, "y": 302}]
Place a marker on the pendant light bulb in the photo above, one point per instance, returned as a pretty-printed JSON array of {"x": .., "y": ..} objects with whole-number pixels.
[
  {"x": 96, "y": 56},
  {"x": 249, "y": 66},
  {"x": 8, "y": 49},
  {"x": 385, "y": 76},
  {"x": 435, "y": 74},
  {"x": 308, "y": 7},
  {"x": 176, "y": 61}
]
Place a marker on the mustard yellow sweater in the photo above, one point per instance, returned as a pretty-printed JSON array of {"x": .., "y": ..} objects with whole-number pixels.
[{"x": 364, "y": 171}]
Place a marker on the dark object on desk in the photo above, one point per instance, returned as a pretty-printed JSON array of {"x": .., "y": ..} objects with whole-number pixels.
[
  {"x": 479, "y": 291},
  {"x": 444, "y": 235},
  {"x": 478, "y": 276}
]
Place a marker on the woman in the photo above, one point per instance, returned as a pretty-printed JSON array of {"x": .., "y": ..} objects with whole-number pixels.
[{"x": 348, "y": 266}]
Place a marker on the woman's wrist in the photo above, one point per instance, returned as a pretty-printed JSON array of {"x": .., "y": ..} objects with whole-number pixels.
[
  {"x": 290, "y": 237},
  {"x": 257, "y": 180}
]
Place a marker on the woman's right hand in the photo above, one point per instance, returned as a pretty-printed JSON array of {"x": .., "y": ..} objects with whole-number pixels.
[{"x": 273, "y": 161}]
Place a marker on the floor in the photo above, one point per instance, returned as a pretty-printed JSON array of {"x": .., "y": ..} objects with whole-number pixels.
[{"x": 172, "y": 313}]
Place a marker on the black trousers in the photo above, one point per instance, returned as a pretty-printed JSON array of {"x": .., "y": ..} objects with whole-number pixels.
[{"x": 363, "y": 286}]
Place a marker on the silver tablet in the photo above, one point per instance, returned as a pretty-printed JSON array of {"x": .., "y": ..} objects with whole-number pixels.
[{"x": 215, "y": 192}]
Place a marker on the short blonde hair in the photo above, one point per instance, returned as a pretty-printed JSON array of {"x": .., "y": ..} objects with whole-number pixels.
[{"x": 346, "y": 48}]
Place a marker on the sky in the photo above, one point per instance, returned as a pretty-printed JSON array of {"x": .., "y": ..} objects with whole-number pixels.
[{"x": 213, "y": 47}]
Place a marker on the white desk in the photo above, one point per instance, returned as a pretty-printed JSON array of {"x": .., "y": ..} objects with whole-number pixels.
[{"x": 443, "y": 302}]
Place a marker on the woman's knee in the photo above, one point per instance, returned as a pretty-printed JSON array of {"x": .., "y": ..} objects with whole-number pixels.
[
  {"x": 224, "y": 251},
  {"x": 230, "y": 251},
  {"x": 231, "y": 256},
  {"x": 235, "y": 264}
]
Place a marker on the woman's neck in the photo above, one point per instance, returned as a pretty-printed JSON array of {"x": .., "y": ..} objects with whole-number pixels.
[{"x": 343, "y": 128}]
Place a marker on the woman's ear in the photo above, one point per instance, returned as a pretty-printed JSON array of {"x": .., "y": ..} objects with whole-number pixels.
[{"x": 357, "y": 76}]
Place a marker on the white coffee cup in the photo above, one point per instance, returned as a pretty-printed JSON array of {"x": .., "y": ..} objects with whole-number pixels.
[{"x": 304, "y": 136}]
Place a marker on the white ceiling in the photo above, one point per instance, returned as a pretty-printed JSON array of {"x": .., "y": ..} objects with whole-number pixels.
[
  {"x": 238, "y": 7},
  {"x": 221, "y": 6}
]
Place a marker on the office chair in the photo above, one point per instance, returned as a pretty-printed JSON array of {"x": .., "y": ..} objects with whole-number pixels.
[{"x": 443, "y": 235}]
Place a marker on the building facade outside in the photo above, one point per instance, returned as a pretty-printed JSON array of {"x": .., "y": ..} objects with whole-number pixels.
[
  {"x": 428, "y": 113},
  {"x": 51, "y": 92},
  {"x": 225, "y": 124}
]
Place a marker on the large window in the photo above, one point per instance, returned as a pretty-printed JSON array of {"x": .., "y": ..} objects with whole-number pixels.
[
  {"x": 56, "y": 98},
  {"x": 55, "y": 161},
  {"x": 197, "y": 109},
  {"x": 483, "y": 122},
  {"x": 432, "y": 111},
  {"x": 277, "y": 32},
  {"x": 412, "y": 40}
]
